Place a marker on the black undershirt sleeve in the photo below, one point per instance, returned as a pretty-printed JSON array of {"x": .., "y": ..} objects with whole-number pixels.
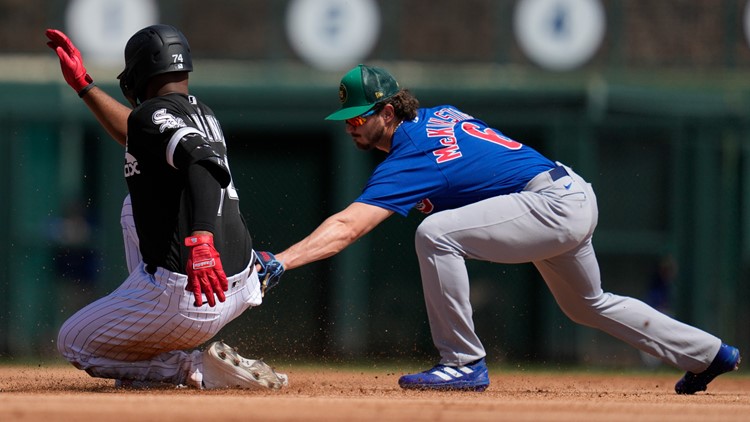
[
  {"x": 194, "y": 148},
  {"x": 205, "y": 197}
]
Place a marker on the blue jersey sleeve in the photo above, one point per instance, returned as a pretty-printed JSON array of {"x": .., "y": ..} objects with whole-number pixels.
[{"x": 403, "y": 179}]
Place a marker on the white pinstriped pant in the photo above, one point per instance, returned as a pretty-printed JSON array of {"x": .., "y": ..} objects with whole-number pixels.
[
  {"x": 132, "y": 252},
  {"x": 139, "y": 330}
]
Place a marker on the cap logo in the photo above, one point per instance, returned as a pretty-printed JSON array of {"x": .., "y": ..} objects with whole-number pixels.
[
  {"x": 343, "y": 95},
  {"x": 378, "y": 95}
]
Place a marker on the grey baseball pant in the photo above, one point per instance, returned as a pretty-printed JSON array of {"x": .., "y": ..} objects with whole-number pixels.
[{"x": 550, "y": 223}]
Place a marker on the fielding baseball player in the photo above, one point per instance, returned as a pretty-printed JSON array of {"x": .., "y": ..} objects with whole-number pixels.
[
  {"x": 189, "y": 254},
  {"x": 487, "y": 197}
]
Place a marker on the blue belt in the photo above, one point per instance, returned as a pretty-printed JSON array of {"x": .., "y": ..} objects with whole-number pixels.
[{"x": 558, "y": 173}]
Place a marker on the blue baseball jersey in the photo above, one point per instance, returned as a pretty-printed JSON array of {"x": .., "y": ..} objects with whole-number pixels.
[{"x": 445, "y": 159}]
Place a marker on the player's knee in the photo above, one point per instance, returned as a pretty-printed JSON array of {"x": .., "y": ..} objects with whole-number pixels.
[
  {"x": 432, "y": 237},
  {"x": 582, "y": 310},
  {"x": 421, "y": 237},
  {"x": 66, "y": 347},
  {"x": 579, "y": 316},
  {"x": 430, "y": 231},
  {"x": 426, "y": 235},
  {"x": 62, "y": 346}
]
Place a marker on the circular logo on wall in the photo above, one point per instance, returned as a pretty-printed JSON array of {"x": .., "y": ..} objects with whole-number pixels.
[
  {"x": 332, "y": 34},
  {"x": 100, "y": 29},
  {"x": 559, "y": 34}
]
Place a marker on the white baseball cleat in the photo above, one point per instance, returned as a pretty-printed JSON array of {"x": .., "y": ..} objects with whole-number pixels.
[{"x": 223, "y": 367}]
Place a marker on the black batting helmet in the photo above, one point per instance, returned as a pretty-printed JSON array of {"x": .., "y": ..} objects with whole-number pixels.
[{"x": 152, "y": 51}]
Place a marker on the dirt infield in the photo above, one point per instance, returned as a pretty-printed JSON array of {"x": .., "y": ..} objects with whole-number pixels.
[{"x": 61, "y": 393}]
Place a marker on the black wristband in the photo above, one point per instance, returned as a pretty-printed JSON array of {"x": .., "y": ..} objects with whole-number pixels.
[{"x": 86, "y": 89}]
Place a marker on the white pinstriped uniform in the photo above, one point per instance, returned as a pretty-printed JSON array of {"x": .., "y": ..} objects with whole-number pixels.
[
  {"x": 136, "y": 331},
  {"x": 141, "y": 330},
  {"x": 132, "y": 254}
]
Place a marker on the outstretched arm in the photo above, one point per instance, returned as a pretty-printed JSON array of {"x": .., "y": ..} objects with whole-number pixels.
[
  {"x": 334, "y": 234},
  {"x": 110, "y": 113}
]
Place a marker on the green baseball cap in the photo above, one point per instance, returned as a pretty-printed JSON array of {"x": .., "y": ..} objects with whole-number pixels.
[{"x": 361, "y": 88}]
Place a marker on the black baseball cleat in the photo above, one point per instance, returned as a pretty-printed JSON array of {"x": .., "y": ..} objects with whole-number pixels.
[{"x": 727, "y": 360}]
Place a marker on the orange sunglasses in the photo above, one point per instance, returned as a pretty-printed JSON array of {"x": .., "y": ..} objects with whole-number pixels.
[{"x": 360, "y": 120}]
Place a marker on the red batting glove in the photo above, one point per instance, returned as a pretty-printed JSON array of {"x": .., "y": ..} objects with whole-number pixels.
[
  {"x": 71, "y": 61},
  {"x": 204, "y": 271}
]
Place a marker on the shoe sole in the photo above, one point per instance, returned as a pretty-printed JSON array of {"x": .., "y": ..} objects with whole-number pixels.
[
  {"x": 454, "y": 385},
  {"x": 423, "y": 387},
  {"x": 232, "y": 366}
]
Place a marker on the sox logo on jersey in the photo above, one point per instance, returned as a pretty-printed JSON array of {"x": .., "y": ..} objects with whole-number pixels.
[
  {"x": 166, "y": 120},
  {"x": 131, "y": 165}
]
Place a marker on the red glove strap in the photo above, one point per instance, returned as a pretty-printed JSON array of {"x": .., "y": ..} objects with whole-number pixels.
[{"x": 202, "y": 239}]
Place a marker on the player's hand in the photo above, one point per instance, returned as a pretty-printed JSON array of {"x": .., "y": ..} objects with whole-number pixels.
[
  {"x": 71, "y": 61},
  {"x": 269, "y": 271},
  {"x": 204, "y": 271}
]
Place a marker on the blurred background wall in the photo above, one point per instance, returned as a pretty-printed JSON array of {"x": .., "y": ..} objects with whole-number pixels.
[{"x": 647, "y": 100}]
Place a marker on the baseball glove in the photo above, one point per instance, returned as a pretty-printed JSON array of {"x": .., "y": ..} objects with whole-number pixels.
[{"x": 270, "y": 271}]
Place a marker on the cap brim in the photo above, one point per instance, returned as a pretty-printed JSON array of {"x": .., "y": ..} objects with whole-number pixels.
[{"x": 349, "y": 112}]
